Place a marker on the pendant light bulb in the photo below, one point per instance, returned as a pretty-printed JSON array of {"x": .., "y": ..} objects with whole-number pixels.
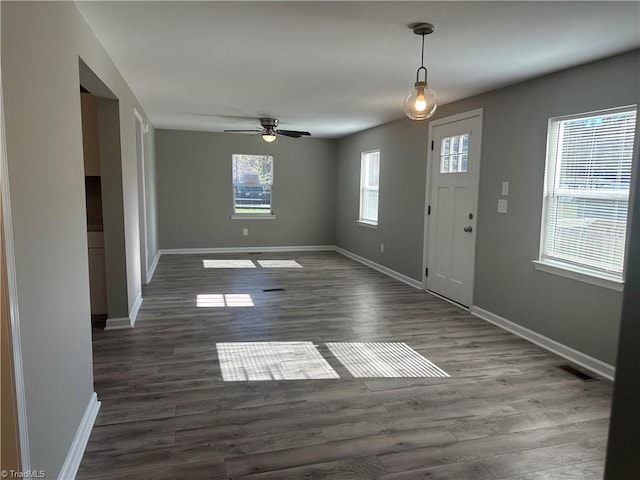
[{"x": 421, "y": 102}]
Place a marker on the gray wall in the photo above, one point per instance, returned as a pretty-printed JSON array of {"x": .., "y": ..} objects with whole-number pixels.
[
  {"x": 195, "y": 193},
  {"x": 113, "y": 208},
  {"x": 403, "y": 150},
  {"x": 576, "y": 314},
  {"x": 41, "y": 45}
]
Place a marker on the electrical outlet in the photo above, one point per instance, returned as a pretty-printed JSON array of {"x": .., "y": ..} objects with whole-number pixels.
[
  {"x": 502, "y": 206},
  {"x": 245, "y": 231},
  {"x": 382, "y": 248}
]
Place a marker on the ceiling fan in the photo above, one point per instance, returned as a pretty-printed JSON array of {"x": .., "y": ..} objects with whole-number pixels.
[{"x": 269, "y": 130}]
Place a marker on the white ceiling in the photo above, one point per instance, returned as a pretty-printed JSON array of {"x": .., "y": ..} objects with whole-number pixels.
[{"x": 335, "y": 68}]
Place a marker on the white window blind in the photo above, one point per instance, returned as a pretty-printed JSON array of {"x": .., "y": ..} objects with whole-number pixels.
[
  {"x": 586, "y": 193},
  {"x": 369, "y": 186}
]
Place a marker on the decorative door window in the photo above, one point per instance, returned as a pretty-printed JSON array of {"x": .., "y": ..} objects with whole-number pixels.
[{"x": 454, "y": 154}]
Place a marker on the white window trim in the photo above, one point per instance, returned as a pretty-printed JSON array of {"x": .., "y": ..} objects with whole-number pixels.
[
  {"x": 567, "y": 270},
  {"x": 576, "y": 273},
  {"x": 253, "y": 216},
  {"x": 366, "y": 222}
]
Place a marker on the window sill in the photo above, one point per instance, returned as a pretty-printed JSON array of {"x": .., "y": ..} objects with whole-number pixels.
[
  {"x": 575, "y": 273},
  {"x": 253, "y": 216},
  {"x": 364, "y": 223}
]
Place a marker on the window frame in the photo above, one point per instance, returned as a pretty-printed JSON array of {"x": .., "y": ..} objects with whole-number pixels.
[
  {"x": 568, "y": 269},
  {"x": 362, "y": 220},
  {"x": 268, "y": 215}
]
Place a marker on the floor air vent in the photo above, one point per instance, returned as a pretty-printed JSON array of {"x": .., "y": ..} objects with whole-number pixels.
[
  {"x": 273, "y": 289},
  {"x": 581, "y": 375}
]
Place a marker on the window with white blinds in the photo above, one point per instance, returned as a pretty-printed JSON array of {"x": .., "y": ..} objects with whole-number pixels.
[
  {"x": 369, "y": 186},
  {"x": 586, "y": 191}
]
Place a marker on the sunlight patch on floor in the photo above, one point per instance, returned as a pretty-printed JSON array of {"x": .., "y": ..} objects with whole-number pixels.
[
  {"x": 279, "y": 264},
  {"x": 228, "y": 264},
  {"x": 384, "y": 360},
  {"x": 250, "y": 361},
  {"x": 210, "y": 300}
]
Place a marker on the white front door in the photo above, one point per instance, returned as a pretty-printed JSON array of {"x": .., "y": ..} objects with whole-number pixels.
[{"x": 452, "y": 203}]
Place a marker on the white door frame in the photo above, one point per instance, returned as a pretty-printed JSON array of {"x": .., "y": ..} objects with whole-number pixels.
[
  {"x": 427, "y": 196},
  {"x": 142, "y": 197},
  {"x": 14, "y": 321}
]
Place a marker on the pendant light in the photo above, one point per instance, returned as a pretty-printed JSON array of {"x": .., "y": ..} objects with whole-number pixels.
[{"x": 421, "y": 101}]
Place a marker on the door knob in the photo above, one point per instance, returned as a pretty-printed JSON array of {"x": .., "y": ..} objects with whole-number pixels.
[{"x": 468, "y": 229}]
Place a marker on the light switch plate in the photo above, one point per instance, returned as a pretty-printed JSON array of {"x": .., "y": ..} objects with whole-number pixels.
[
  {"x": 502, "y": 206},
  {"x": 505, "y": 188}
]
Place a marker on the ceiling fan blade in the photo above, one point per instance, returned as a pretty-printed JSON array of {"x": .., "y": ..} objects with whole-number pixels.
[
  {"x": 292, "y": 133},
  {"x": 241, "y": 131}
]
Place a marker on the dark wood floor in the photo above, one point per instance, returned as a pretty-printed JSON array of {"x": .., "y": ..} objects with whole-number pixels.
[{"x": 506, "y": 412}]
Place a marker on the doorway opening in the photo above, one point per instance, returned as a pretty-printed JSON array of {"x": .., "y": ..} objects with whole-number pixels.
[
  {"x": 104, "y": 202},
  {"x": 93, "y": 204}
]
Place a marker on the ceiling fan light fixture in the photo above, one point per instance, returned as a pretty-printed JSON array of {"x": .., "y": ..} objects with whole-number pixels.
[
  {"x": 421, "y": 102},
  {"x": 269, "y": 131},
  {"x": 269, "y": 135}
]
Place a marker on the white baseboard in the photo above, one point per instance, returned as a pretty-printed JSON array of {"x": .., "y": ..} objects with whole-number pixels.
[
  {"x": 117, "y": 323},
  {"x": 381, "y": 268},
  {"x": 295, "y": 248},
  {"x": 575, "y": 356},
  {"x": 125, "y": 322},
  {"x": 74, "y": 456},
  {"x": 152, "y": 268}
]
